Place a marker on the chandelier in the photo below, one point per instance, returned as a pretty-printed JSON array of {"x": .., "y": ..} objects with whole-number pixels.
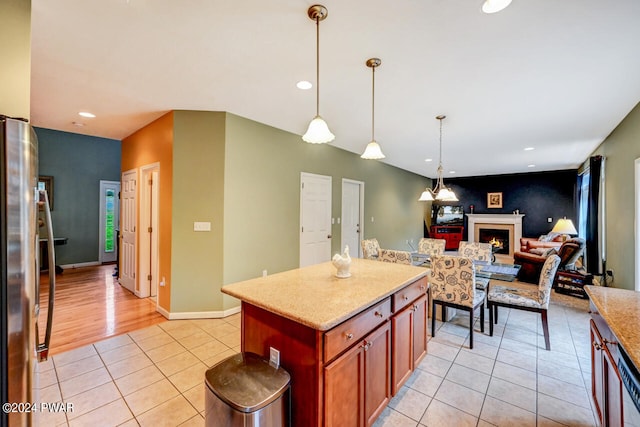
[{"x": 439, "y": 192}]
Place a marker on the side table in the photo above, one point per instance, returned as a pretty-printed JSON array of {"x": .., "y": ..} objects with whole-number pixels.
[{"x": 572, "y": 282}]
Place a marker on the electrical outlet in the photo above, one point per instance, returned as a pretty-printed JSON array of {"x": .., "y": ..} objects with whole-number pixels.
[
  {"x": 274, "y": 357},
  {"x": 549, "y": 219},
  {"x": 264, "y": 273},
  {"x": 610, "y": 273}
]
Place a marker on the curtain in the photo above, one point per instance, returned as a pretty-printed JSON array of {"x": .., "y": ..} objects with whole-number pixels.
[{"x": 593, "y": 229}]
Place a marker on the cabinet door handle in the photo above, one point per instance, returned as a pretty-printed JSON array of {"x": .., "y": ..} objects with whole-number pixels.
[
  {"x": 378, "y": 314},
  {"x": 423, "y": 287},
  {"x": 349, "y": 336},
  {"x": 404, "y": 297},
  {"x": 606, "y": 341},
  {"x": 597, "y": 346},
  {"x": 415, "y": 307}
]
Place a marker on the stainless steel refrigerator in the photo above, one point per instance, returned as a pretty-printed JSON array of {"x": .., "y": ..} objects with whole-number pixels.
[{"x": 21, "y": 227}]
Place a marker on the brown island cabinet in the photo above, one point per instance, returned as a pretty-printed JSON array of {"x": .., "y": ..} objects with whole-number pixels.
[{"x": 349, "y": 344}]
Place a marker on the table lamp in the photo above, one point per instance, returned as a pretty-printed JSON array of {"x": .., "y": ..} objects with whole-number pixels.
[{"x": 564, "y": 226}]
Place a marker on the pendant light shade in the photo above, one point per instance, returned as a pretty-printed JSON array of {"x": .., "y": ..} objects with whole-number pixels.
[
  {"x": 373, "y": 150},
  {"x": 493, "y": 6},
  {"x": 439, "y": 192},
  {"x": 318, "y": 131}
]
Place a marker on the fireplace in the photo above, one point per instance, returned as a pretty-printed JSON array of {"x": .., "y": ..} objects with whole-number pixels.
[
  {"x": 505, "y": 228},
  {"x": 498, "y": 238}
]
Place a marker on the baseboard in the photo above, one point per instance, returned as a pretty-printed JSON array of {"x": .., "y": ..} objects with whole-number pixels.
[
  {"x": 81, "y": 264},
  {"x": 198, "y": 314}
]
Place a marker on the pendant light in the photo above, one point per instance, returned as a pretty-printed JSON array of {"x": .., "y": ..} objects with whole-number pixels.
[
  {"x": 373, "y": 150},
  {"x": 439, "y": 192},
  {"x": 318, "y": 131},
  {"x": 493, "y": 6}
]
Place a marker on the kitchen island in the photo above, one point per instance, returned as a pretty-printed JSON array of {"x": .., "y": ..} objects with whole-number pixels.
[
  {"x": 349, "y": 344},
  {"x": 615, "y": 354}
]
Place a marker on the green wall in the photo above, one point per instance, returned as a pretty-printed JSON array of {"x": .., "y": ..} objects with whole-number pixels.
[
  {"x": 15, "y": 73},
  {"x": 620, "y": 149},
  {"x": 262, "y": 198},
  {"x": 244, "y": 178},
  {"x": 77, "y": 164},
  {"x": 198, "y": 195}
]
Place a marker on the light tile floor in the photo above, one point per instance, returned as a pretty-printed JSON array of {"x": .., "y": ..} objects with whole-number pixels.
[{"x": 154, "y": 376}]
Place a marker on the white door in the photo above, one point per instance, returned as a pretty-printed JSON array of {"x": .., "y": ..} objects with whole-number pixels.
[
  {"x": 315, "y": 219},
  {"x": 109, "y": 220},
  {"x": 128, "y": 200},
  {"x": 352, "y": 215},
  {"x": 149, "y": 193}
]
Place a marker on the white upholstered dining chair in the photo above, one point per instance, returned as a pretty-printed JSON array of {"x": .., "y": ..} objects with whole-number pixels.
[{"x": 530, "y": 299}]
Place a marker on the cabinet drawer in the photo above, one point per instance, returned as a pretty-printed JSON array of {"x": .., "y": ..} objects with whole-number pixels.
[
  {"x": 408, "y": 294},
  {"x": 351, "y": 331}
]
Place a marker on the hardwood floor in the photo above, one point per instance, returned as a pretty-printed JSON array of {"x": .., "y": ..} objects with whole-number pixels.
[{"x": 90, "y": 305}]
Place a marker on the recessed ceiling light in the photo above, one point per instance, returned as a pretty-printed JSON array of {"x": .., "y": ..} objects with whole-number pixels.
[
  {"x": 428, "y": 160},
  {"x": 79, "y": 124},
  {"x": 86, "y": 114},
  {"x": 452, "y": 172},
  {"x": 529, "y": 149},
  {"x": 304, "y": 85},
  {"x": 531, "y": 166}
]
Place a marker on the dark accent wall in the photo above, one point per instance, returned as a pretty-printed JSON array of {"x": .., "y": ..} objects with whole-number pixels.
[
  {"x": 539, "y": 196},
  {"x": 77, "y": 164}
]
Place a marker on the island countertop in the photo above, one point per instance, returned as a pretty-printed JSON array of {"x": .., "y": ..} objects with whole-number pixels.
[
  {"x": 315, "y": 297},
  {"x": 620, "y": 308}
]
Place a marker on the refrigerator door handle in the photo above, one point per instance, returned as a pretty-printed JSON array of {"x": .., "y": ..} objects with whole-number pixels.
[{"x": 42, "y": 349}]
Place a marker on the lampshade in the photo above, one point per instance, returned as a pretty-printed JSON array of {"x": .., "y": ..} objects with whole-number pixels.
[
  {"x": 439, "y": 192},
  {"x": 373, "y": 150},
  {"x": 446, "y": 195},
  {"x": 564, "y": 226},
  {"x": 318, "y": 131},
  {"x": 426, "y": 196},
  {"x": 493, "y": 6}
]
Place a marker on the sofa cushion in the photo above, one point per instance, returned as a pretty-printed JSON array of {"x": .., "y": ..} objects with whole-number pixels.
[{"x": 545, "y": 252}]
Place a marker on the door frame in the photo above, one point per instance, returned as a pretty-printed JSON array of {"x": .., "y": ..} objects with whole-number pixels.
[
  {"x": 101, "y": 220},
  {"x": 360, "y": 185},
  {"x": 148, "y": 219}
]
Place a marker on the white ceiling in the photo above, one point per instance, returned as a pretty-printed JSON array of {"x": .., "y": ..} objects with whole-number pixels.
[{"x": 555, "y": 75}]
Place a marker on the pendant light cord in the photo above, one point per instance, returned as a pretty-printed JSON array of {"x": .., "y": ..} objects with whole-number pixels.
[
  {"x": 317, "y": 65},
  {"x": 440, "y": 161},
  {"x": 373, "y": 101}
]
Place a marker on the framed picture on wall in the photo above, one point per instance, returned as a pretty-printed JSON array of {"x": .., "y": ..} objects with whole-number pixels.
[
  {"x": 46, "y": 183},
  {"x": 494, "y": 200}
]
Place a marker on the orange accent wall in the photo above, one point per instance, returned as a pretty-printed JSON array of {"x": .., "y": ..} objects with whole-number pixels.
[{"x": 154, "y": 143}]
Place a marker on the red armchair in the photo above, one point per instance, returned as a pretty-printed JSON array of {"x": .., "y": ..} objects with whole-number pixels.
[
  {"x": 531, "y": 263},
  {"x": 528, "y": 243}
]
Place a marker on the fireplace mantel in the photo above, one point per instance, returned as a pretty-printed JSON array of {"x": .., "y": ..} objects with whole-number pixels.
[{"x": 475, "y": 221}]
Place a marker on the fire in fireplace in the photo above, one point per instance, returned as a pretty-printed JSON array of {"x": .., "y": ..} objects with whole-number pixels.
[{"x": 499, "y": 239}]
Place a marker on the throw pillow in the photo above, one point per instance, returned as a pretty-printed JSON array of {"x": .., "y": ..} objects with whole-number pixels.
[{"x": 548, "y": 237}]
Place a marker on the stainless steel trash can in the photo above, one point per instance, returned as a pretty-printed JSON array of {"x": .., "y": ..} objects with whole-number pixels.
[{"x": 244, "y": 390}]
